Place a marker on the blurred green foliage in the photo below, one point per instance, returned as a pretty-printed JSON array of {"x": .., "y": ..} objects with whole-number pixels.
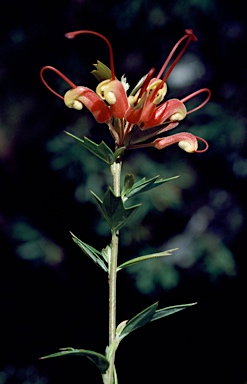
[{"x": 25, "y": 375}]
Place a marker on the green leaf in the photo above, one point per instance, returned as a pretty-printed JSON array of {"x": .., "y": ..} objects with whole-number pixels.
[
  {"x": 149, "y": 314},
  {"x": 100, "y": 150},
  {"x": 129, "y": 181},
  {"x": 119, "y": 152},
  {"x": 139, "y": 320},
  {"x": 114, "y": 211},
  {"x": 106, "y": 253},
  {"x": 170, "y": 310},
  {"x": 102, "y": 72},
  {"x": 146, "y": 257},
  {"x": 144, "y": 185},
  {"x": 98, "y": 359},
  {"x": 95, "y": 255}
]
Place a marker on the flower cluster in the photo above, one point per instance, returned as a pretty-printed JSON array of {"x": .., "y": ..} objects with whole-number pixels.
[{"x": 136, "y": 119}]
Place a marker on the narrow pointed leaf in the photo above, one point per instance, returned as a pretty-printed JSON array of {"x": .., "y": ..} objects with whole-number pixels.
[
  {"x": 129, "y": 263},
  {"x": 114, "y": 211},
  {"x": 100, "y": 150},
  {"x": 101, "y": 362},
  {"x": 95, "y": 255},
  {"x": 144, "y": 185},
  {"x": 150, "y": 314},
  {"x": 170, "y": 310},
  {"x": 139, "y": 320}
]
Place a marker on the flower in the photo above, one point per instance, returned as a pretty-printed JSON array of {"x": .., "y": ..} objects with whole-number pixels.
[{"x": 135, "y": 119}]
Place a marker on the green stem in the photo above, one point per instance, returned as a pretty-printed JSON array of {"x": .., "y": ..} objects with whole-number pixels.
[{"x": 116, "y": 174}]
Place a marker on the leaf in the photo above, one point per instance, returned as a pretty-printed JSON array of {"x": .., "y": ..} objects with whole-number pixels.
[
  {"x": 129, "y": 181},
  {"x": 100, "y": 150},
  {"x": 146, "y": 257},
  {"x": 149, "y": 314},
  {"x": 106, "y": 253},
  {"x": 102, "y": 72},
  {"x": 170, "y": 310},
  {"x": 144, "y": 185},
  {"x": 114, "y": 211},
  {"x": 139, "y": 320},
  {"x": 98, "y": 359},
  {"x": 95, "y": 255},
  {"x": 119, "y": 152}
]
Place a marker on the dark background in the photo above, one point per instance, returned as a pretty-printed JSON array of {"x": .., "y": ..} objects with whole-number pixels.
[{"x": 51, "y": 295}]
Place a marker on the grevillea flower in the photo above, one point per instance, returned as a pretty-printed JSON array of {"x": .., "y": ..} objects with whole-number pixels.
[{"x": 135, "y": 119}]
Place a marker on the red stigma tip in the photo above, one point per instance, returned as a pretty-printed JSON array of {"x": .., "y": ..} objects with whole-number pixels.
[
  {"x": 189, "y": 32},
  {"x": 70, "y": 35}
]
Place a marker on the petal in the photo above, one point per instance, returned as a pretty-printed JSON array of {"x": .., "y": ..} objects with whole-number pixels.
[
  {"x": 114, "y": 93},
  {"x": 133, "y": 115},
  {"x": 79, "y": 96},
  {"x": 155, "y": 93},
  {"x": 172, "y": 110},
  {"x": 159, "y": 89},
  {"x": 186, "y": 141}
]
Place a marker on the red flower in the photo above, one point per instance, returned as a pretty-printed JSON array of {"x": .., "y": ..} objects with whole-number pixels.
[{"x": 133, "y": 120}]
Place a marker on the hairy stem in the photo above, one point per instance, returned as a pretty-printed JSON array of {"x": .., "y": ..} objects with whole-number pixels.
[
  {"x": 116, "y": 174},
  {"x": 112, "y": 288}
]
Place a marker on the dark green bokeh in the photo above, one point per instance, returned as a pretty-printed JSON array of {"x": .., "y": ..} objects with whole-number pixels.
[{"x": 51, "y": 295}]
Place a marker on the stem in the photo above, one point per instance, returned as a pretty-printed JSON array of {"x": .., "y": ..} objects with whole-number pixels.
[
  {"x": 116, "y": 174},
  {"x": 112, "y": 288}
]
